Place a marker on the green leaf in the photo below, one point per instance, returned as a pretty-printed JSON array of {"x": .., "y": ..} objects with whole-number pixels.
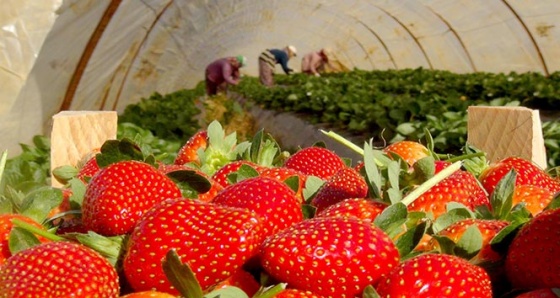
[
  {"x": 410, "y": 239},
  {"x": 450, "y": 217},
  {"x": 555, "y": 203},
  {"x": 390, "y": 215},
  {"x": 502, "y": 197},
  {"x": 312, "y": 185},
  {"x": 64, "y": 173},
  {"x": 500, "y": 243},
  {"x": 425, "y": 168},
  {"x": 181, "y": 276},
  {"x": 40, "y": 202},
  {"x": 470, "y": 243},
  {"x": 293, "y": 183},
  {"x": 190, "y": 179},
  {"x": 21, "y": 239},
  {"x": 227, "y": 292},
  {"x": 370, "y": 292},
  {"x": 109, "y": 247},
  {"x": 118, "y": 150}
]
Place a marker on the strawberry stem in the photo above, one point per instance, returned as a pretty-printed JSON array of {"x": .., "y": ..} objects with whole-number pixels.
[
  {"x": 422, "y": 188},
  {"x": 466, "y": 156},
  {"x": 343, "y": 141},
  {"x": 36, "y": 230}
]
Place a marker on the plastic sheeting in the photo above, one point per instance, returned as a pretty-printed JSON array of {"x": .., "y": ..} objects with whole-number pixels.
[{"x": 106, "y": 54}]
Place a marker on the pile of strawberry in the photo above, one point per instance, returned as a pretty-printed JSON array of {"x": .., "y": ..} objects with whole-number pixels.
[{"x": 246, "y": 219}]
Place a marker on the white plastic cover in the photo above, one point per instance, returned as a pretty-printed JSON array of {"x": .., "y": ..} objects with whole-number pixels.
[{"x": 106, "y": 54}]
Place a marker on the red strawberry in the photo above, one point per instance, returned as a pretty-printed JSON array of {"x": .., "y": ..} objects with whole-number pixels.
[
  {"x": 221, "y": 175},
  {"x": 243, "y": 280},
  {"x": 535, "y": 198},
  {"x": 461, "y": 187},
  {"x": 409, "y": 151},
  {"x": 295, "y": 293},
  {"x": 89, "y": 169},
  {"x": 273, "y": 200},
  {"x": 540, "y": 293},
  {"x": 487, "y": 227},
  {"x": 6, "y": 227},
  {"x": 316, "y": 161},
  {"x": 435, "y": 275},
  {"x": 118, "y": 195},
  {"x": 532, "y": 259},
  {"x": 283, "y": 173},
  {"x": 188, "y": 152},
  {"x": 346, "y": 183},
  {"x": 331, "y": 256},
  {"x": 58, "y": 269},
  {"x": 528, "y": 173},
  {"x": 364, "y": 209},
  {"x": 214, "y": 240}
]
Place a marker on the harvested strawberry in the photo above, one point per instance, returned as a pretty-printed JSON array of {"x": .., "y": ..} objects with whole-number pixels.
[
  {"x": 89, "y": 169},
  {"x": 435, "y": 275},
  {"x": 58, "y": 269},
  {"x": 331, "y": 256},
  {"x": 487, "y": 227},
  {"x": 221, "y": 175},
  {"x": 215, "y": 241},
  {"x": 540, "y": 293},
  {"x": 271, "y": 199},
  {"x": 243, "y": 280},
  {"x": 188, "y": 152},
  {"x": 409, "y": 151},
  {"x": 282, "y": 174},
  {"x": 71, "y": 225},
  {"x": 118, "y": 195},
  {"x": 532, "y": 259},
  {"x": 316, "y": 161},
  {"x": 461, "y": 187},
  {"x": 295, "y": 293},
  {"x": 362, "y": 208},
  {"x": 346, "y": 183},
  {"x": 528, "y": 173},
  {"x": 535, "y": 198},
  {"x": 148, "y": 294},
  {"x": 6, "y": 227}
]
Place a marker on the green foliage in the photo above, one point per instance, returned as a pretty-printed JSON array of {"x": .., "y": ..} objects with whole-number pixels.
[
  {"x": 172, "y": 116},
  {"x": 391, "y": 105}
]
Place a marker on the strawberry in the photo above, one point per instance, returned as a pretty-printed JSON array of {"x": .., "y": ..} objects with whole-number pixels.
[
  {"x": 243, "y": 280},
  {"x": 215, "y": 241},
  {"x": 535, "y": 198},
  {"x": 364, "y": 209},
  {"x": 330, "y": 256},
  {"x": 532, "y": 259},
  {"x": 295, "y": 293},
  {"x": 71, "y": 225},
  {"x": 316, "y": 161},
  {"x": 273, "y": 200},
  {"x": 528, "y": 173},
  {"x": 221, "y": 175},
  {"x": 282, "y": 174},
  {"x": 435, "y": 275},
  {"x": 344, "y": 184},
  {"x": 487, "y": 227},
  {"x": 89, "y": 169},
  {"x": 409, "y": 151},
  {"x": 6, "y": 227},
  {"x": 148, "y": 294},
  {"x": 64, "y": 205},
  {"x": 120, "y": 193},
  {"x": 461, "y": 187},
  {"x": 58, "y": 269},
  {"x": 189, "y": 151}
]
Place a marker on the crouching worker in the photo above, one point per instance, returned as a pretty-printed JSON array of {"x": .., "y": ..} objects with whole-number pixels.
[{"x": 223, "y": 72}]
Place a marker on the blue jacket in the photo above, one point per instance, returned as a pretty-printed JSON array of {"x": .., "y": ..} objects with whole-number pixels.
[{"x": 282, "y": 58}]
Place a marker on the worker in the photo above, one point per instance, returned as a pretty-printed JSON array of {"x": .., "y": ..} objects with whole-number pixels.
[
  {"x": 223, "y": 72},
  {"x": 315, "y": 62},
  {"x": 268, "y": 60}
]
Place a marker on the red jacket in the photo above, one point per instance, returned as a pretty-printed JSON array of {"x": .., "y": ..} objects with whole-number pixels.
[{"x": 221, "y": 71}]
